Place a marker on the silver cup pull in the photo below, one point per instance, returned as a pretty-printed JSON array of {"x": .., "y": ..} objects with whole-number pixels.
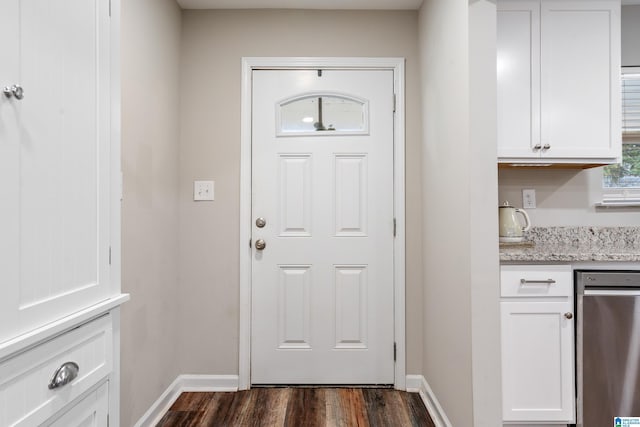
[
  {"x": 260, "y": 244},
  {"x": 64, "y": 375}
]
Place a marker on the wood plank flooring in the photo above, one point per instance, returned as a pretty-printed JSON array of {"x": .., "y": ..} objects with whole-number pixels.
[{"x": 308, "y": 407}]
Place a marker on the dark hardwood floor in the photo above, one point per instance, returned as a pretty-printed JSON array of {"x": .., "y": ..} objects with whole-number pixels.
[{"x": 308, "y": 407}]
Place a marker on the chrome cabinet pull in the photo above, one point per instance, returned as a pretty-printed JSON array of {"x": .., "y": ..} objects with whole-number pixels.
[
  {"x": 546, "y": 282},
  {"x": 537, "y": 147},
  {"x": 546, "y": 146},
  {"x": 64, "y": 375}
]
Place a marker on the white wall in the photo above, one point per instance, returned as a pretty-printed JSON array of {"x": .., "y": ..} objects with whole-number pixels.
[
  {"x": 564, "y": 197},
  {"x": 213, "y": 43},
  {"x": 568, "y": 197},
  {"x": 150, "y": 61},
  {"x": 483, "y": 233},
  {"x": 461, "y": 357}
]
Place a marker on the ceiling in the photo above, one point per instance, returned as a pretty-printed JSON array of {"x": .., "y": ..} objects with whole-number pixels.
[
  {"x": 302, "y": 4},
  {"x": 314, "y": 4}
]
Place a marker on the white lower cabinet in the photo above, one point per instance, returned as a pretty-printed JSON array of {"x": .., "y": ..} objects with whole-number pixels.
[
  {"x": 537, "y": 344},
  {"x": 92, "y": 411},
  {"x": 70, "y": 374}
]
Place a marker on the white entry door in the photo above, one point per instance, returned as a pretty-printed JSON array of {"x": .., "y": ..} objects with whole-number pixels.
[{"x": 322, "y": 206}]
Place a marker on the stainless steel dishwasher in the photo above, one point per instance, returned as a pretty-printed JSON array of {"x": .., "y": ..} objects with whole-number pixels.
[{"x": 608, "y": 346}]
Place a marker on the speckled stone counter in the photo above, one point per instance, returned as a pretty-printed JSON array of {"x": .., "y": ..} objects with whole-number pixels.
[{"x": 571, "y": 244}]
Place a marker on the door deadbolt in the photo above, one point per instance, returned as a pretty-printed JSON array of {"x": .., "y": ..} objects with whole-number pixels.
[{"x": 261, "y": 222}]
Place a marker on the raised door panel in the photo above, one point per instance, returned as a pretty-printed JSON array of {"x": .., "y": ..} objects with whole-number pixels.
[
  {"x": 537, "y": 355},
  {"x": 580, "y": 91},
  {"x": 55, "y": 246},
  {"x": 518, "y": 74}
]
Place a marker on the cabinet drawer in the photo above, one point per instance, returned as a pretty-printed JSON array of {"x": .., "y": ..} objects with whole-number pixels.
[
  {"x": 25, "y": 398},
  {"x": 92, "y": 411},
  {"x": 536, "y": 281}
]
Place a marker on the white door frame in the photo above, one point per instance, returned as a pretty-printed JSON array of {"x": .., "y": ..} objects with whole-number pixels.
[{"x": 253, "y": 63}]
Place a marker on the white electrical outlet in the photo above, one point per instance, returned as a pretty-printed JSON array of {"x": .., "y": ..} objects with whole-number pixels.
[
  {"x": 203, "y": 190},
  {"x": 528, "y": 198}
]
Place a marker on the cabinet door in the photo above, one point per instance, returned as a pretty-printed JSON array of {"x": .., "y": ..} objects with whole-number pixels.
[
  {"x": 580, "y": 81},
  {"x": 537, "y": 360},
  {"x": 518, "y": 74},
  {"x": 92, "y": 411},
  {"x": 54, "y": 160}
]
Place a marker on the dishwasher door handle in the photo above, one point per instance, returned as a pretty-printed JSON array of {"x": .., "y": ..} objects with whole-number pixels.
[{"x": 612, "y": 292}]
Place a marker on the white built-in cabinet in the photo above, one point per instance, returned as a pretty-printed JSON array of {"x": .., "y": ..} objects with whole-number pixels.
[
  {"x": 558, "y": 78},
  {"x": 60, "y": 215},
  {"x": 537, "y": 331}
]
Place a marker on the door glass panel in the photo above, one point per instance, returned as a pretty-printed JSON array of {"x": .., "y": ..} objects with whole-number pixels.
[{"x": 322, "y": 114}]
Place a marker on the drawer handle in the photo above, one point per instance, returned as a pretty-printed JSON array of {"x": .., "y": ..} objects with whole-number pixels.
[
  {"x": 64, "y": 375},
  {"x": 546, "y": 282}
]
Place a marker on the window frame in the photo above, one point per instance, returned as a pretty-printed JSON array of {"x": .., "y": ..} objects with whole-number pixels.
[
  {"x": 284, "y": 133},
  {"x": 622, "y": 196}
]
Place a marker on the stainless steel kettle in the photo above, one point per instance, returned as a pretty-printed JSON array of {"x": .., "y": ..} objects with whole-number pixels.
[{"x": 511, "y": 230}]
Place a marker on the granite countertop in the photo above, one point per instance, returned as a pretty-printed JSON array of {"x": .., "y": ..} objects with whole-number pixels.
[{"x": 572, "y": 244}]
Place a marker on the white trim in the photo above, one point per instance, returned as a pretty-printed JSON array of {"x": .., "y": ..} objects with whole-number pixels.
[
  {"x": 57, "y": 327},
  {"x": 115, "y": 375},
  {"x": 250, "y": 64},
  {"x": 418, "y": 384},
  {"x": 184, "y": 383}
]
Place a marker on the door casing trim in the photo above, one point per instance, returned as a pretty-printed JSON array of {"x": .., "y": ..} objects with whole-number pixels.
[{"x": 255, "y": 63}]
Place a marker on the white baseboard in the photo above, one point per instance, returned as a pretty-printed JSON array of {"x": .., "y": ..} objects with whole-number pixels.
[
  {"x": 418, "y": 384},
  {"x": 181, "y": 384}
]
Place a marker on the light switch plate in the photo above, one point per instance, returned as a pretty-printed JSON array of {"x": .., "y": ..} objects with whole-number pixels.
[
  {"x": 528, "y": 198},
  {"x": 203, "y": 190}
]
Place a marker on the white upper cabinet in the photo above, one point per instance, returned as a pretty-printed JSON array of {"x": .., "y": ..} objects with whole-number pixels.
[
  {"x": 55, "y": 160},
  {"x": 558, "y": 68}
]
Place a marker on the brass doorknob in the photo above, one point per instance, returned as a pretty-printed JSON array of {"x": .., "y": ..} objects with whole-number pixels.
[{"x": 260, "y": 244}]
